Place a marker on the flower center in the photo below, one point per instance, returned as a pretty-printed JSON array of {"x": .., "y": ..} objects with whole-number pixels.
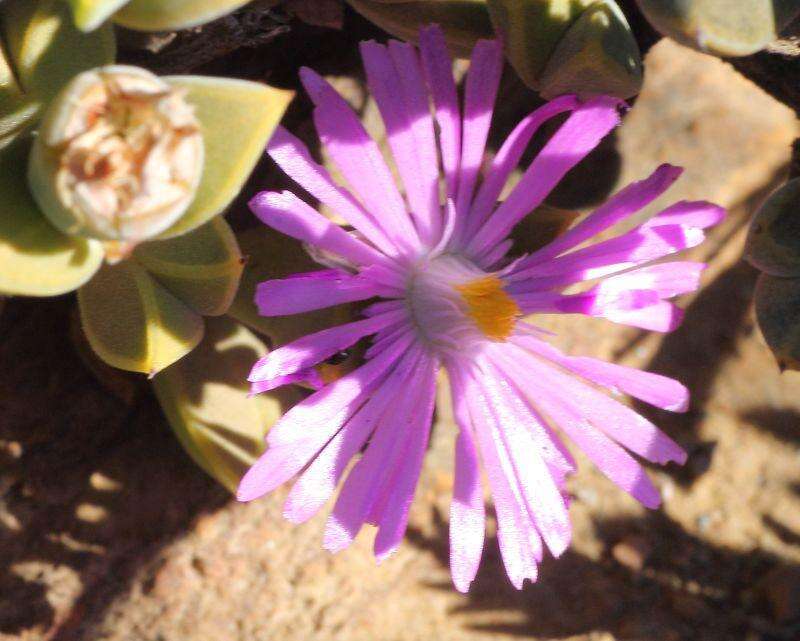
[{"x": 457, "y": 306}]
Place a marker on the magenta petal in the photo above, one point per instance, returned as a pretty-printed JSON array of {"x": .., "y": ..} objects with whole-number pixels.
[
  {"x": 305, "y": 429},
  {"x": 508, "y": 158},
  {"x": 438, "y": 70},
  {"x": 620, "y": 206},
  {"x": 314, "y": 348},
  {"x": 698, "y": 214},
  {"x": 661, "y": 317},
  {"x": 391, "y": 516},
  {"x": 315, "y": 290},
  {"x": 291, "y": 216},
  {"x": 317, "y": 483},
  {"x": 665, "y": 279},
  {"x": 308, "y": 376},
  {"x": 582, "y": 132},
  {"x": 538, "y": 490},
  {"x": 654, "y": 389},
  {"x": 366, "y": 484},
  {"x": 480, "y": 92},
  {"x": 467, "y": 512},
  {"x": 294, "y": 158},
  {"x": 360, "y": 160},
  {"x": 516, "y": 535},
  {"x": 609, "y": 457}
]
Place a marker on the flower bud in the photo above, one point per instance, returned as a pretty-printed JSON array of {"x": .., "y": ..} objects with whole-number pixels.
[{"x": 119, "y": 156}]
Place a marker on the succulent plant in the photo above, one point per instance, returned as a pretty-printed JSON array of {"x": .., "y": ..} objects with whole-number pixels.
[
  {"x": 556, "y": 46},
  {"x": 148, "y": 267},
  {"x": 150, "y": 15},
  {"x": 773, "y": 247},
  {"x": 721, "y": 27}
]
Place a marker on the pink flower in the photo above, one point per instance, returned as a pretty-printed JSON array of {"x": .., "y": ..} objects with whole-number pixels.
[{"x": 449, "y": 297}]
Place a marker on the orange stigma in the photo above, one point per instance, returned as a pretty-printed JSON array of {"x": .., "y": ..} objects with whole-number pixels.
[{"x": 492, "y": 309}]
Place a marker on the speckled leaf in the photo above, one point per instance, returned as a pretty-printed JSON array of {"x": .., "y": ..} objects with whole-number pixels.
[
  {"x": 46, "y": 50},
  {"x": 35, "y": 258},
  {"x": 778, "y": 311},
  {"x": 134, "y": 323},
  {"x": 90, "y": 14},
  {"x": 722, "y": 27},
  {"x": 201, "y": 268},
  {"x": 597, "y": 55},
  {"x": 237, "y": 118},
  {"x": 165, "y": 15},
  {"x": 205, "y": 399},
  {"x": 463, "y": 21},
  {"x": 773, "y": 242}
]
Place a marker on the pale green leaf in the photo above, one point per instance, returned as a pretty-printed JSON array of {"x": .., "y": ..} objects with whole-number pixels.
[
  {"x": 237, "y": 119},
  {"x": 166, "y": 15},
  {"x": 722, "y": 27},
  {"x": 201, "y": 268},
  {"x": 35, "y": 258},
  {"x": 90, "y": 14},
  {"x": 205, "y": 397},
  {"x": 46, "y": 50},
  {"x": 134, "y": 323}
]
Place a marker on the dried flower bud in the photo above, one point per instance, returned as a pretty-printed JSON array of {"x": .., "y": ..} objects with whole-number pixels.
[{"x": 119, "y": 156}]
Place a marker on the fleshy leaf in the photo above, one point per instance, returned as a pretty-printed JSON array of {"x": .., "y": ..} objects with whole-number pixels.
[
  {"x": 166, "y": 15},
  {"x": 35, "y": 258},
  {"x": 532, "y": 29},
  {"x": 201, "y": 268},
  {"x": 205, "y": 398},
  {"x": 268, "y": 255},
  {"x": 134, "y": 323},
  {"x": 597, "y": 55},
  {"x": 90, "y": 14},
  {"x": 464, "y": 22},
  {"x": 773, "y": 242},
  {"x": 721, "y": 27},
  {"x": 778, "y": 311},
  {"x": 46, "y": 50},
  {"x": 237, "y": 118}
]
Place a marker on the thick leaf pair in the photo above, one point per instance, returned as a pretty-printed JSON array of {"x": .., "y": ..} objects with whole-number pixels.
[
  {"x": 169, "y": 281},
  {"x": 556, "y": 46},
  {"x": 773, "y": 247}
]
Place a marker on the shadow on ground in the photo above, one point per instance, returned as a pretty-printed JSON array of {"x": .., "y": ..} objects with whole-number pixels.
[{"x": 667, "y": 585}]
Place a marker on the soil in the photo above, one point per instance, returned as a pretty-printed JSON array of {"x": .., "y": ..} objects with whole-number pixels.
[{"x": 109, "y": 531}]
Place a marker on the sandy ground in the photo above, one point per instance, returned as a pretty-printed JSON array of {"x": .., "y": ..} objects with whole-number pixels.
[{"x": 108, "y": 531}]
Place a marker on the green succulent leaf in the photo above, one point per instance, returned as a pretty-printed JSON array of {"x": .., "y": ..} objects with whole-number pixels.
[
  {"x": 532, "y": 29},
  {"x": 721, "y": 27},
  {"x": 205, "y": 397},
  {"x": 201, "y": 268},
  {"x": 44, "y": 48},
  {"x": 165, "y": 15},
  {"x": 778, "y": 312},
  {"x": 597, "y": 55},
  {"x": 35, "y": 258},
  {"x": 90, "y": 14},
  {"x": 773, "y": 242},
  {"x": 237, "y": 119},
  {"x": 464, "y": 22},
  {"x": 133, "y": 323}
]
